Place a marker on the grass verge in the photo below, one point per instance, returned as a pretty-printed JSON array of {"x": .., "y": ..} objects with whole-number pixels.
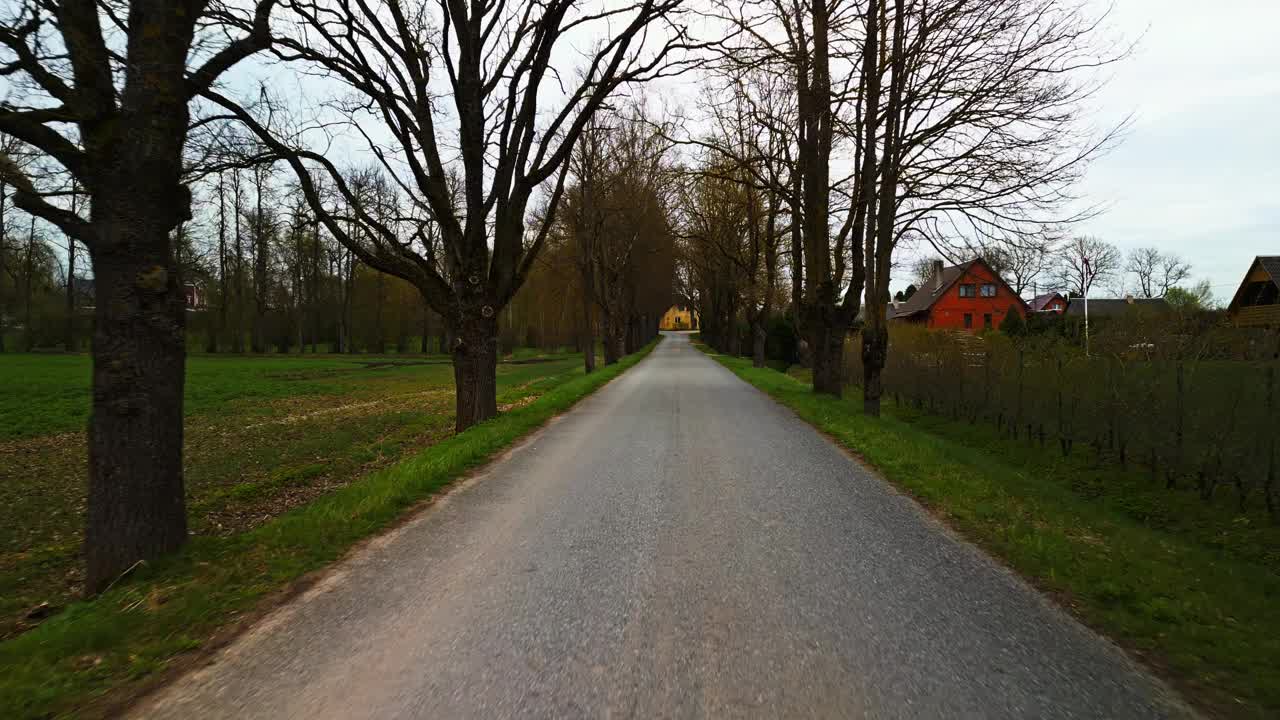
[
  {"x": 264, "y": 435},
  {"x": 1201, "y": 616},
  {"x": 91, "y": 654}
]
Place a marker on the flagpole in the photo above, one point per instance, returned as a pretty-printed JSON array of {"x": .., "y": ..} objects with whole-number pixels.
[
  {"x": 1088, "y": 280},
  {"x": 1086, "y": 322}
]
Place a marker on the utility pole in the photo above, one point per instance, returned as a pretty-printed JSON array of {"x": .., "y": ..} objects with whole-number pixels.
[{"x": 1088, "y": 280}]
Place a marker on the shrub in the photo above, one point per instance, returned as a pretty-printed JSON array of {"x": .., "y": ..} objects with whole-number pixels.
[
  {"x": 1013, "y": 325},
  {"x": 781, "y": 344}
]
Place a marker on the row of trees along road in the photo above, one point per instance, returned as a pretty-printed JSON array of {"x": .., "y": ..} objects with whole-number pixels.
[
  {"x": 267, "y": 278},
  {"x": 464, "y": 113},
  {"x": 832, "y": 133},
  {"x": 875, "y": 123}
]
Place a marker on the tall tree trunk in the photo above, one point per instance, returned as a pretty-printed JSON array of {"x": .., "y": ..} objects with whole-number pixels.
[
  {"x": 4, "y": 193},
  {"x": 475, "y": 368},
  {"x": 588, "y": 336},
  {"x": 315, "y": 281},
  {"x": 299, "y": 287},
  {"x": 379, "y": 333},
  {"x": 826, "y": 348},
  {"x": 136, "y": 500},
  {"x": 446, "y": 337},
  {"x": 875, "y": 336},
  {"x": 733, "y": 338},
  {"x": 613, "y": 329},
  {"x": 69, "y": 331},
  {"x": 797, "y": 271},
  {"x": 349, "y": 286},
  {"x": 216, "y": 331},
  {"x": 260, "y": 292},
  {"x": 29, "y": 331},
  {"x": 426, "y": 328},
  {"x": 237, "y": 341},
  {"x": 632, "y": 333},
  {"x": 875, "y": 351},
  {"x": 758, "y": 336}
]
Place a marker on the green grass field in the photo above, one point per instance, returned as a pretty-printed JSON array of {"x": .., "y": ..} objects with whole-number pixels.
[
  {"x": 264, "y": 435},
  {"x": 1190, "y": 588},
  {"x": 280, "y": 483},
  {"x": 49, "y": 394}
]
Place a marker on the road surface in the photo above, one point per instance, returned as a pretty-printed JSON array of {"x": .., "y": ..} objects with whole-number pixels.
[{"x": 676, "y": 546}]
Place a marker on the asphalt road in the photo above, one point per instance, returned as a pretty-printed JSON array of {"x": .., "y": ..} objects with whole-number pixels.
[{"x": 676, "y": 546}]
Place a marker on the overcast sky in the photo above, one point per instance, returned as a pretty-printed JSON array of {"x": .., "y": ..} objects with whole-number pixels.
[{"x": 1199, "y": 172}]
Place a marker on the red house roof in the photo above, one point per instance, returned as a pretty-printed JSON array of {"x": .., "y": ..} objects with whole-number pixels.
[
  {"x": 1040, "y": 301},
  {"x": 932, "y": 291}
]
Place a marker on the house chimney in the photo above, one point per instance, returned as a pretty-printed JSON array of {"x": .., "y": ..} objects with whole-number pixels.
[{"x": 937, "y": 276}]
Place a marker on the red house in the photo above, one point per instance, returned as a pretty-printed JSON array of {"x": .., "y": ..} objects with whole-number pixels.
[
  {"x": 1049, "y": 303},
  {"x": 969, "y": 296}
]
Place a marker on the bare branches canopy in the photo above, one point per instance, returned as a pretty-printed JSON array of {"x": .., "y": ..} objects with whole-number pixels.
[{"x": 473, "y": 117}]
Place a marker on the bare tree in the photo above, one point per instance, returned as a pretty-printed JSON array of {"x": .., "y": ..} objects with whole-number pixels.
[
  {"x": 1155, "y": 271},
  {"x": 69, "y": 323},
  {"x": 584, "y": 221},
  {"x": 238, "y": 290},
  {"x": 105, "y": 96},
  {"x": 923, "y": 268},
  {"x": 1085, "y": 260},
  {"x": 957, "y": 121},
  {"x": 471, "y": 77},
  {"x": 29, "y": 284},
  {"x": 980, "y": 136},
  {"x": 263, "y": 229},
  {"x": 1021, "y": 263},
  {"x": 4, "y": 229},
  {"x": 224, "y": 287},
  {"x": 10, "y": 148},
  {"x": 751, "y": 153},
  {"x": 618, "y": 217},
  {"x": 794, "y": 41}
]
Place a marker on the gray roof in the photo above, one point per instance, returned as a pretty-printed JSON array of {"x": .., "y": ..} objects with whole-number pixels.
[
  {"x": 1111, "y": 307},
  {"x": 928, "y": 293},
  {"x": 1271, "y": 263}
]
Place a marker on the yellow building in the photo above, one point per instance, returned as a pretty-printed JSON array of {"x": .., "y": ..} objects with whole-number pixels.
[{"x": 679, "y": 318}]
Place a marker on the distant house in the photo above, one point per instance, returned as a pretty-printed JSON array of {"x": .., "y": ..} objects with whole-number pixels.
[
  {"x": 83, "y": 289},
  {"x": 1049, "y": 303},
  {"x": 1257, "y": 301},
  {"x": 1117, "y": 307},
  {"x": 679, "y": 317},
  {"x": 194, "y": 295},
  {"x": 969, "y": 296}
]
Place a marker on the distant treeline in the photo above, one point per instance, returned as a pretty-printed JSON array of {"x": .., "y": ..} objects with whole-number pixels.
[{"x": 264, "y": 276}]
